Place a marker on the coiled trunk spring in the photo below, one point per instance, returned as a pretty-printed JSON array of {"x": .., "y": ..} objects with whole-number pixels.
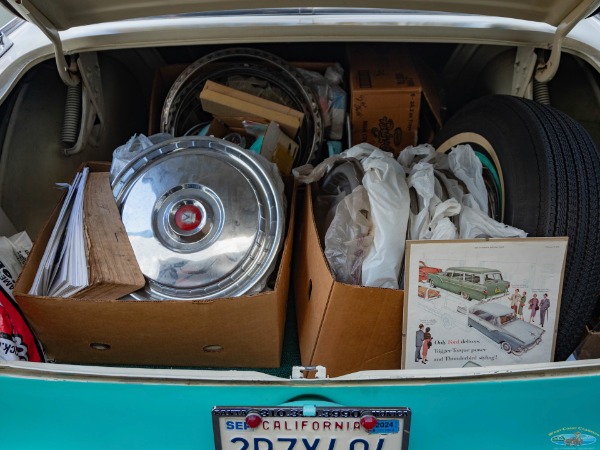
[
  {"x": 72, "y": 117},
  {"x": 541, "y": 94}
]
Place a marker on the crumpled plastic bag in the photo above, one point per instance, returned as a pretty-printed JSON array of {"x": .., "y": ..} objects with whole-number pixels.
[
  {"x": 308, "y": 174},
  {"x": 349, "y": 237},
  {"x": 434, "y": 221},
  {"x": 385, "y": 181},
  {"x": 431, "y": 220},
  {"x": 467, "y": 167},
  {"x": 474, "y": 223},
  {"x": 417, "y": 154},
  {"x": 422, "y": 180},
  {"x": 136, "y": 144},
  {"x": 441, "y": 227}
]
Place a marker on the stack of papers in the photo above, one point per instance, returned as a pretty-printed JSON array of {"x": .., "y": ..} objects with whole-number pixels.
[{"x": 63, "y": 270}]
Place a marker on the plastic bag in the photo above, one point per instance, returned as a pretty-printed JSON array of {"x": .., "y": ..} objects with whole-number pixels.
[
  {"x": 349, "y": 237},
  {"x": 422, "y": 180},
  {"x": 474, "y": 223},
  {"x": 137, "y": 143},
  {"x": 467, "y": 167},
  {"x": 432, "y": 220},
  {"x": 413, "y": 155},
  {"x": 441, "y": 227},
  {"x": 17, "y": 342},
  {"x": 385, "y": 181},
  {"x": 308, "y": 174}
]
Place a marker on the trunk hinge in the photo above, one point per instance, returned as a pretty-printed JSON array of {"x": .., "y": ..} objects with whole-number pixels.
[
  {"x": 546, "y": 70},
  {"x": 33, "y": 15}
]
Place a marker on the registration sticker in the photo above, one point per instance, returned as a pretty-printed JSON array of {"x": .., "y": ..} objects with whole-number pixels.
[{"x": 311, "y": 428}]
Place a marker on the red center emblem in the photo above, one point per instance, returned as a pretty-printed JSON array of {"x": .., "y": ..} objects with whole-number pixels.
[{"x": 188, "y": 217}]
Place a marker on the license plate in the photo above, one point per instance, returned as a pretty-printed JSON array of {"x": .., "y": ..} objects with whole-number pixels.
[{"x": 310, "y": 428}]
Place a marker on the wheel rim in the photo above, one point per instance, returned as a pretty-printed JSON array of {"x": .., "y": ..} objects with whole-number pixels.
[{"x": 489, "y": 159}]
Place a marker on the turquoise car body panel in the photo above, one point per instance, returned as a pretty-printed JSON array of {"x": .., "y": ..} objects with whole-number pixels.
[{"x": 514, "y": 409}]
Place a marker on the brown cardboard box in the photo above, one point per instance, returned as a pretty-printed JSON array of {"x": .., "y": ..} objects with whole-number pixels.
[
  {"x": 223, "y": 101},
  {"x": 342, "y": 327},
  {"x": 385, "y": 97},
  {"x": 226, "y": 332}
]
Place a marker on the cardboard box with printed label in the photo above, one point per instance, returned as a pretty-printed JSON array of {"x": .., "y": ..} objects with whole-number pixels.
[
  {"x": 222, "y": 332},
  {"x": 342, "y": 327},
  {"x": 386, "y": 90}
]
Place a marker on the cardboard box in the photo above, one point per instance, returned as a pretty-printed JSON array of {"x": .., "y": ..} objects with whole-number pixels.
[
  {"x": 385, "y": 97},
  {"x": 279, "y": 148},
  {"x": 342, "y": 327},
  {"x": 223, "y": 101},
  {"x": 243, "y": 331}
]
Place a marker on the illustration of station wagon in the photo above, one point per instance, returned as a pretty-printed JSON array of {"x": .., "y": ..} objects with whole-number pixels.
[{"x": 470, "y": 282}]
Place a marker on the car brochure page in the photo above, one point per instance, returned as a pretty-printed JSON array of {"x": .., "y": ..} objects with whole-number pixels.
[{"x": 482, "y": 302}]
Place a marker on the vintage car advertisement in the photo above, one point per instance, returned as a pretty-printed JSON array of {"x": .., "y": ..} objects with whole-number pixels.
[{"x": 490, "y": 302}]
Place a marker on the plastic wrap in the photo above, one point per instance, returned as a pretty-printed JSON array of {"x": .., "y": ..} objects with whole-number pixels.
[
  {"x": 332, "y": 98},
  {"x": 136, "y": 144}
]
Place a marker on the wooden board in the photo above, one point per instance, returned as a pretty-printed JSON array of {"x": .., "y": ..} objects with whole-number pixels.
[{"x": 112, "y": 265}]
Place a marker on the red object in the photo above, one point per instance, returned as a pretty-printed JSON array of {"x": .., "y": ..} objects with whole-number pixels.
[
  {"x": 253, "y": 419},
  {"x": 425, "y": 270},
  {"x": 188, "y": 217},
  {"x": 368, "y": 422},
  {"x": 17, "y": 342}
]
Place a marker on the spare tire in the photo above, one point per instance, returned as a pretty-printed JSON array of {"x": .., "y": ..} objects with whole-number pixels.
[{"x": 547, "y": 169}]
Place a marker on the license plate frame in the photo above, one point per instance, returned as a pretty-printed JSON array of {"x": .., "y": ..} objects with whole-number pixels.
[{"x": 295, "y": 418}]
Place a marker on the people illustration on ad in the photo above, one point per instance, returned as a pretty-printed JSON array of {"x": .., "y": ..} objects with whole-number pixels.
[
  {"x": 534, "y": 306},
  {"x": 423, "y": 343}
]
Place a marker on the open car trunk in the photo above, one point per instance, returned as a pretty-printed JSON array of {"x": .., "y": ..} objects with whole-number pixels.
[{"x": 157, "y": 406}]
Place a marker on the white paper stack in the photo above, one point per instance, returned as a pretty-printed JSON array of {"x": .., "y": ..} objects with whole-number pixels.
[{"x": 63, "y": 269}]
